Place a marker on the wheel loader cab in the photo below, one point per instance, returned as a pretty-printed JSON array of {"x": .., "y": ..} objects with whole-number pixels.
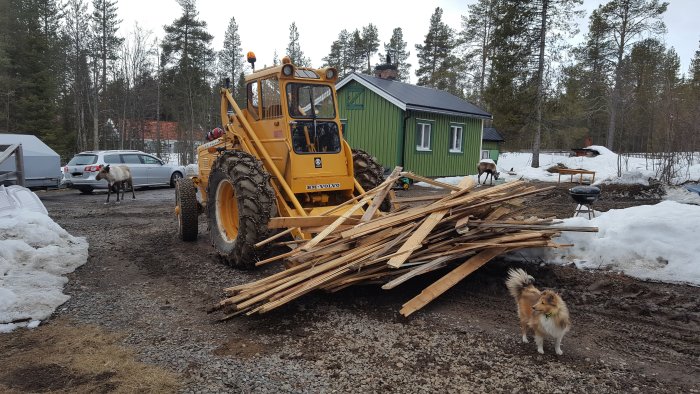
[
  {"x": 313, "y": 127},
  {"x": 294, "y": 113}
]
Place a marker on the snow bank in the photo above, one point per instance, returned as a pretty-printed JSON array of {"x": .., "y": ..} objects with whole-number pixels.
[
  {"x": 655, "y": 242},
  {"x": 35, "y": 253}
]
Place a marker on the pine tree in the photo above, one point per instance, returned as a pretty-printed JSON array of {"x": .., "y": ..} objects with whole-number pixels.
[
  {"x": 370, "y": 44},
  {"x": 231, "y": 56},
  {"x": 690, "y": 119},
  {"x": 694, "y": 70},
  {"x": 626, "y": 20},
  {"x": 105, "y": 25},
  {"x": 33, "y": 67},
  {"x": 340, "y": 54},
  {"x": 438, "y": 66},
  {"x": 552, "y": 15},
  {"x": 650, "y": 75},
  {"x": 396, "y": 49},
  {"x": 477, "y": 38},
  {"x": 5, "y": 92},
  {"x": 77, "y": 36},
  {"x": 508, "y": 94},
  {"x": 592, "y": 58},
  {"x": 186, "y": 53},
  {"x": 294, "y": 49},
  {"x": 356, "y": 52}
]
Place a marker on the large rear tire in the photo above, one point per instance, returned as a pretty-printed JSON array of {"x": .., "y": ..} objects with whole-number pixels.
[
  {"x": 186, "y": 209},
  {"x": 240, "y": 204},
  {"x": 369, "y": 173}
]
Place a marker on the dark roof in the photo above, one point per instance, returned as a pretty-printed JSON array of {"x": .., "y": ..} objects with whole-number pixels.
[
  {"x": 491, "y": 134},
  {"x": 419, "y": 98}
]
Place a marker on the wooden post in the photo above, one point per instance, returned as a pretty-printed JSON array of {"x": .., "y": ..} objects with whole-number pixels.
[{"x": 19, "y": 165}]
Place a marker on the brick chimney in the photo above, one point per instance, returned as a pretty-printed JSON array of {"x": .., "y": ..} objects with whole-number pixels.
[{"x": 387, "y": 70}]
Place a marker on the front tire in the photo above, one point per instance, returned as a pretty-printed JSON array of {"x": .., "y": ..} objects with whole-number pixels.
[
  {"x": 369, "y": 173},
  {"x": 240, "y": 204},
  {"x": 186, "y": 209}
]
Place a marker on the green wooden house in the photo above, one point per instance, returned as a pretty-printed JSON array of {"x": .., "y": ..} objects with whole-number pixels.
[
  {"x": 491, "y": 144},
  {"x": 427, "y": 131}
]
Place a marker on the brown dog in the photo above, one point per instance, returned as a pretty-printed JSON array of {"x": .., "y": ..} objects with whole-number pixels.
[{"x": 544, "y": 312}]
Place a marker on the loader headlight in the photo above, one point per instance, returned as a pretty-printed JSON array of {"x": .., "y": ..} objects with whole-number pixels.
[
  {"x": 288, "y": 70},
  {"x": 330, "y": 73}
]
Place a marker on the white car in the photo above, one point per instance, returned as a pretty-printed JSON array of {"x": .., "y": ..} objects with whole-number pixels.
[{"x": 146, "y": 169}]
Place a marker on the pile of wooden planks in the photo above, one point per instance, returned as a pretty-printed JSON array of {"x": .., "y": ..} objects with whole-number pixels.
[{"x": 462, "y": 230}]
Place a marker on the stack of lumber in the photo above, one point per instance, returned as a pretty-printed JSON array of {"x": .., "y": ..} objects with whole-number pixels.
[{"x": 459, "y": 231}]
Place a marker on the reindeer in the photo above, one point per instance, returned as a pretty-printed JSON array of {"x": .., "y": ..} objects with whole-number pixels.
[
  {"x": 118, "y": 177},
  {"x": 489, "y": 167}
]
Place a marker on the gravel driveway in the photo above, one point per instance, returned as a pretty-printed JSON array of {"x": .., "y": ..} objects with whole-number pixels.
[{"x": 137, "y": 321}]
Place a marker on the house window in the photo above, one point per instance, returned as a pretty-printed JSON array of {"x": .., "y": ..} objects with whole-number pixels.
[
  {"x": 456, "y": 138},
  {"x": 355, "y": 98},
  {"x": 485, "y": 154},
  {"x": 423, "y": 136}
]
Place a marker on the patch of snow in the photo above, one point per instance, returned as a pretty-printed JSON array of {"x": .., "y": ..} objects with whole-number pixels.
[
  {"x": 654, "y": 242},
  {"x": 35, "y": 254}
]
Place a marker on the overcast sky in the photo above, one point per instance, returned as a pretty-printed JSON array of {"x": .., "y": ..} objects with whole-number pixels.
[{"x": 264, "y": 25}]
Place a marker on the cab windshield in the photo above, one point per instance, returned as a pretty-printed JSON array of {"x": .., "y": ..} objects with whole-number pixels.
[{"x": 310, "y": 101}]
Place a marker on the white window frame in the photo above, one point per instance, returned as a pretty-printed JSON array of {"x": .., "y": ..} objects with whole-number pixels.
[
  {"x": 421, "y": 144},
  {"x": 456, "y": 147}
]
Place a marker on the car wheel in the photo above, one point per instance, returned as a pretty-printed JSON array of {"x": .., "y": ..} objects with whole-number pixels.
[
  {"x": 86, "y": 189},
  {"x": 174, "y": 178}
]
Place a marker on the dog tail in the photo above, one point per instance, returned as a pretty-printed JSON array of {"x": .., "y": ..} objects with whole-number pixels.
[{"x": 517, "y": 280}]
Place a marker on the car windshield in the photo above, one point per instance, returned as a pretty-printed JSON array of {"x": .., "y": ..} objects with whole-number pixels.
[
  {"x": 310, "y": 101},
  {"x": 82, "y": 160}
]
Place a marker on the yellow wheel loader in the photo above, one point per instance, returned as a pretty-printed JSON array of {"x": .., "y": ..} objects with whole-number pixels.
[{"x": 283, "y": 155}]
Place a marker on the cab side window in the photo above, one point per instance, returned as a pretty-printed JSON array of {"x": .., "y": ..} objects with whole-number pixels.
[
  {"x": 253, "y": 99},
  {"x": 271, "y": 107}
]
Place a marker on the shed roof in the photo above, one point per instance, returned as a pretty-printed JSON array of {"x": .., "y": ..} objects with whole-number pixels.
[
  {"x": 491, "y": 134},
  {"x": 418, "y": 98},
  {"x": 31, "y": 144}
]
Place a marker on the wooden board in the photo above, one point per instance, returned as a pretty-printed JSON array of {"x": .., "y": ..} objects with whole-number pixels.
[{"x": 446, "y": 282}]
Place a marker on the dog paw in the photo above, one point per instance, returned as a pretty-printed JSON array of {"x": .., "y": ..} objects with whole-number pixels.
[
  {"x": 525, "y": 340},
  {"x": 540, "y": 351},
  {"x": 559, "y": 352}
]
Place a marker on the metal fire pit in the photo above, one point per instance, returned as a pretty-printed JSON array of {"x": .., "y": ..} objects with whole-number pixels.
[{"x": 585, "y": 196}]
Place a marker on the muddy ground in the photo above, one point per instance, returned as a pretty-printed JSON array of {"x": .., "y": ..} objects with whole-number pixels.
[{"x": 137, "y": 321}]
